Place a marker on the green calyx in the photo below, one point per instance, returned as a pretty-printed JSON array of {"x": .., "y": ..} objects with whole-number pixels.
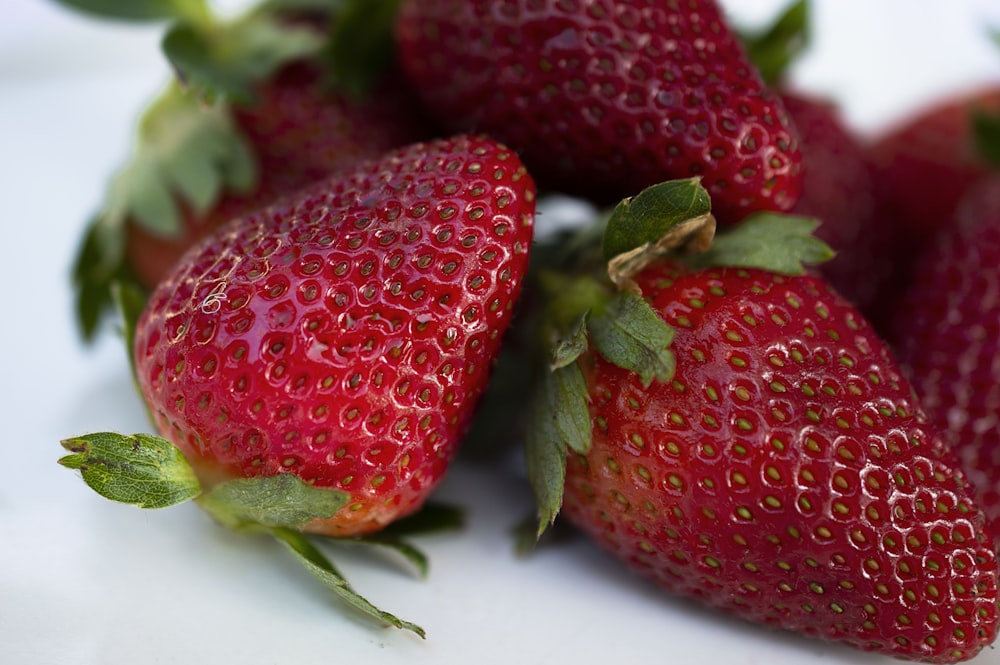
[
  {"x": 605, "y": 313},
  {"x": 150, "y": 472},
  {"x": 776, "y": 47}
]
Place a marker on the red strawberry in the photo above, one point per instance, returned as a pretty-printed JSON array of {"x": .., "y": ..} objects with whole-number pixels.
[
  {"x": 948, "y": 332},
  {"x": 934, "y": 153},
  {"x": 747, "y": 440},
  {"x": 605, "y": 98},
  {"x": 299, "y": 132},
  {"x": 923, "y": 168},
  {"x": 839, "y": 190},
  {"x": 345, "y": 334}
]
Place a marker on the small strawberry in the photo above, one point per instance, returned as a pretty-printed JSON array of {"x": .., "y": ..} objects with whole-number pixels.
[
  {"x": 948, "y": 332},
  {"x": 733, "y": 429},
  {"x": 839, "y": 190},
  {"x": 263, "y": 104},
  {"x": 318, "y": 362},
  {"x": 299, "y": 132},
  {"x": 604, "y": 98}
]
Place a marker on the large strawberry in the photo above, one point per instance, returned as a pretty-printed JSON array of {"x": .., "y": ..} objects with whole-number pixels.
[
  {"x": 741, "y": 436},
  {"x": 605, "y": 98},
  {"x": 948, "y": 337},
  {"x": 333, "y": 345}
]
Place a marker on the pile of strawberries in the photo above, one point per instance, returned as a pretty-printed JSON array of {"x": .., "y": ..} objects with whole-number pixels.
[{"x": 317, "y": 282}]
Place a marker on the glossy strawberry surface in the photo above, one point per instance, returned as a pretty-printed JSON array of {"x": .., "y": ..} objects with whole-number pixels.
[
  {"x": 785, "y": 474},
  {"x": 949, "y": 338},
  {"x": 605, "y": 98},
  {"x": 299, "y": 131},
  {"x": 345, "y": 334}
]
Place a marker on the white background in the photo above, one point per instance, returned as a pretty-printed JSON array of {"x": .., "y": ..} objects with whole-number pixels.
[{"x": 85, "y": 581}]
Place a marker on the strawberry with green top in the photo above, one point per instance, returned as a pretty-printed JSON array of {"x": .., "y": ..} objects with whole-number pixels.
[
  {"x": 335, "y": 344},
  {"x": 602, "y": 99},
  {"x": 263, "y": 105},
  {"x": 733, "y": 429}
]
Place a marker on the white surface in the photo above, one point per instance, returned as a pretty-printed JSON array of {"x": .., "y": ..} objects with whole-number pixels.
[{"x": 84, "y": 581}]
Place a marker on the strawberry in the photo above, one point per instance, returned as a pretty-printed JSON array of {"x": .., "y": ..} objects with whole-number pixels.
[
  {"x": 839, "y": 190},
  {"x": 733, "y": 429},
  {"x": 299, "y": 132},
  {"x": 947, "y": 332},
  {"x": 263, "y": 104},
  {"x": 602, "y": 99},
  {"x": 345, "y": 334},
  {"x": 933, "y": 152},
  {"x": 937, "y": 153}
]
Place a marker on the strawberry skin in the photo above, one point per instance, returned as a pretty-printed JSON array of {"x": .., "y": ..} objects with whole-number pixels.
[
  {"x": 346, "y": 333},
  {"x": 602, "y": 99},
  {"x": 948, "y": 331},
  {"x": 785, "y": 473},
  {"x": 300, "y": 132}
]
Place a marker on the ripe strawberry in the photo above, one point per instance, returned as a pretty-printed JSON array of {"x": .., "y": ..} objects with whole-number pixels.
[
  {"x": 933, "y": 152},
  {"x": 605, "y": 98},
  {"x": 839, "y": 190},
  {"x": 742, "y": 437},
  {"x": 345, "y": 334},
  {"x": 923, "y": 167},
  {"x": 948, "y": 331},
  {"x": 299, "y": 132}
]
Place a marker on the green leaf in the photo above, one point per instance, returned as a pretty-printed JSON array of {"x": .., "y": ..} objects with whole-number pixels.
[
  {"x": 283, "y": 500},
  {"x": 185, "y": 148},
  {"x": 775, "y": 48},
  {"x": 416, "y": 558},
  {"x": 98, "y": 264},
  {"x": 560, "y": 421},
  {"x": 227, "y": 62},
  {"x": 316, "y": 563},
  {"x": 653, "y": 214},
  {"x": 630, "y": 334},
  {"x": 571, "y": 347},
  {"x": 769, "y": 241},
  {"x": 431, "y": 518},
  {"x": 986, "y": 135},
  {"x": 142, "y": 469},
  {"x": 138, "y": 10},
  {"x": 361, "y": 47}
]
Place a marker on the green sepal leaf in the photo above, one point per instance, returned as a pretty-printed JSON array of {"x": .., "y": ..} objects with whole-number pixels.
[
  {"x": 769, "y": 241},
  {"x": 416, "y": 558},
  {"x": 777, "y": 47},
  {"x": 283, "y": 500},
  {"x": 631, "y": 335},
  {"x": 655, "y": 212},
  {"x": 184, "y": 148},
  {"x": 131, "y": 300},
  {"x": 986, "y": 135},
  {"x": 227, "y": 62},
  {"x": 361, "y": 47},
  {"x": 560, "y": 421},
  {"x": 138, "y": 10},
  {"x": 99, "y": 264},
  {"x": 431, "y": 518},
  {"x": 317, "y": 563},
  {"x": 572, "y": 346},
  {"x": 142, "y": 470}
]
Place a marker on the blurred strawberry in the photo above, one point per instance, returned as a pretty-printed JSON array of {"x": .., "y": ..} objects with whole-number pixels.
[
  {"x": 839, "y": 190},
  {"x": 299, "y": 131},
  {"x": 948, "y": 337}
]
